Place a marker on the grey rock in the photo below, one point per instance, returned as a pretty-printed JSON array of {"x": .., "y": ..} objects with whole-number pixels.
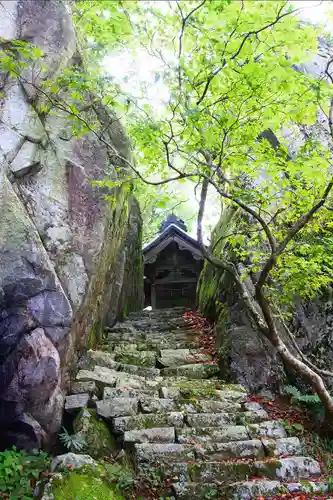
[
  {"x": 117, "y": 407},
  {"x": 140, "y": 358},
  {"x": 282, "y": 447},
  {"x": 26, "y": 160},
  {"x": 298, "y": 468},
  {"x": 162, "y": 453},
  {"x": 152, "y": 405},
  {"x": 177, "y": 357},
  {"x": 76, "y": 401},
  {"x": 154, "y": 435},
  {"x": 62, "y": 245},
  {"x": 271, "y": 429},
  {"x": 255, "y": 489},
  {"x": 210, "y": 419},
  {"x": 101, "y": 358},
  {"x": 199, "y": 371},
  {"x": 61, "y": 462},
  {"x": 209, "y": 435},
  {"x": 236, "y": 449},
  {"x": 111, "y": 393},
  {"x": 102, "y": 377},
  {"x": 81, "y": 387},
  {"x": 123, "y": 424}
]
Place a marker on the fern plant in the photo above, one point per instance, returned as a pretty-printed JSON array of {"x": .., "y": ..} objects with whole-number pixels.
[
  {"x": 73, "y": 442},
  {"x": 311, "y": 401}
]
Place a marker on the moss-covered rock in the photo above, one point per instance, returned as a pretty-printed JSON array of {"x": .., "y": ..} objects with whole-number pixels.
[
  {"x": 99, "y": 440},
  {"x": 82, "y": 485}
]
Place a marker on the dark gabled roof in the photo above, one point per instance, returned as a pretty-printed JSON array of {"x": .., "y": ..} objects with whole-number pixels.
[{"x": 170, "y": 234}]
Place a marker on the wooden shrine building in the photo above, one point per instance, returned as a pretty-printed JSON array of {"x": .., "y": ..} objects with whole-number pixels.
[{"x": 173, "y": 261}]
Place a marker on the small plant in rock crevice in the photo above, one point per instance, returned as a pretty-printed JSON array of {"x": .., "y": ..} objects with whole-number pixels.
[{"x": 73, "y": 442}]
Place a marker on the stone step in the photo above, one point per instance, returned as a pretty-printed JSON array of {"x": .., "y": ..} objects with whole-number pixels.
[
  {"x": 202, "y": 393},
  {"x": 254, "y": 489},
  {"x": 153, "y": 405},
  {"x": 158, "y": 344},
  {"x": 74, "y": 402},
  {"x": 208, "y": 406},
  {"x": 177, "y": 357},
  {"x": 218, "y": 452},
  {"x": 282, "y": 447},
  {"x": 147, "y": 421},
  {"x": 153, "y": 435},
  {"x": 206, "y": 385},
  {"x": 81, "y": 387},
  {"x": 208, "y": 435},
  {"x": 162, "y": 453},
  {"x": 101, "y": 358},
  {"x": 248, "y": 490},
  {"x": 117, "y": 407},
  {"x": 176, "y": 311},
  {"x": 293, "y": 468},
  {"x": 198, "y": 371},
  {"x": 211, "y": 419},
  {"x": 107, "y": 360},
  {"x": 270, "y": 429},
  {"x": 144, "y": 359},
  {"x": 107, "y": 377},
  {"x": 112, "y": 392}
]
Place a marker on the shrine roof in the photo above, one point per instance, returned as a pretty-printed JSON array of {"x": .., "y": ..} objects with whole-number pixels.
[{"x": 164, "y": 238}]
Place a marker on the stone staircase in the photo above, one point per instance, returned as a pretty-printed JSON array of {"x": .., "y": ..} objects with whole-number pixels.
[{"x": 164, "y": 402}]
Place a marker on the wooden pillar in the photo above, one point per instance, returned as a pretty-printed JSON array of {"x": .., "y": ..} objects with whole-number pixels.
[
  {"x": 153, "y": 289},
  {"x": 153, "y": 295}
]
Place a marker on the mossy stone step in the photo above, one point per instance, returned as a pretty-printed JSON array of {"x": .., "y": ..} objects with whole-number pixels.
[
  {"x": 117, "y": 407},
  {"x": 153, "y": 405},
  {"x": 107, "y": 360},
  {"x": 162, "y": 453},
  {"x": 248, "y": 490},
  {"x": 176, "y": 357},
  {"x": 211, "y": 419},
  {"x": 147, "y": 421},
  {"x": 208, "y": 393},
  {"x": 144, "y": 359},
  {"x": 270, "y": 428},
  {"x": 217, "y": 452},
  {"x": 198, "y": 371},
  {"x": 282, "y": 469},
  {"x": 207, "y": 435},
  {"x": 153, "y": 435},
  {"x": 107, "y": 377},
  {"x": 206, "y": 385},
  {"x": 282, "y": 447},
  {"x": 112, "y": 392}
]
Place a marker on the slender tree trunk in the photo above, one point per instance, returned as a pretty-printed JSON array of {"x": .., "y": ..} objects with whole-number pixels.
[{"x": 305, "y": 372}]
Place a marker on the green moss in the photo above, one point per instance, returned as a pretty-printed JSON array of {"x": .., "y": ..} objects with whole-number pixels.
[
  {"x": 99, "y": 440},
  {"x": 81, "y": 486}
]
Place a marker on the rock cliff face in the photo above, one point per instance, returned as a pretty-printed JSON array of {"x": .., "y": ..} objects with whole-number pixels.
[{"x": 64, "y": 250}]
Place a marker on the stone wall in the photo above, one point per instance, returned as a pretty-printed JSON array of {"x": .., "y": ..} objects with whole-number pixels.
[{"x": 64, "y": 250}]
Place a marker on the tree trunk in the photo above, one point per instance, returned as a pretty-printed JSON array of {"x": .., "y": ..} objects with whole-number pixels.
[{"x": 305, "y": 372}]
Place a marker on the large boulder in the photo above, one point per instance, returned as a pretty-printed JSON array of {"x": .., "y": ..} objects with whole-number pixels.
[{"x": 64, "y": 249}]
